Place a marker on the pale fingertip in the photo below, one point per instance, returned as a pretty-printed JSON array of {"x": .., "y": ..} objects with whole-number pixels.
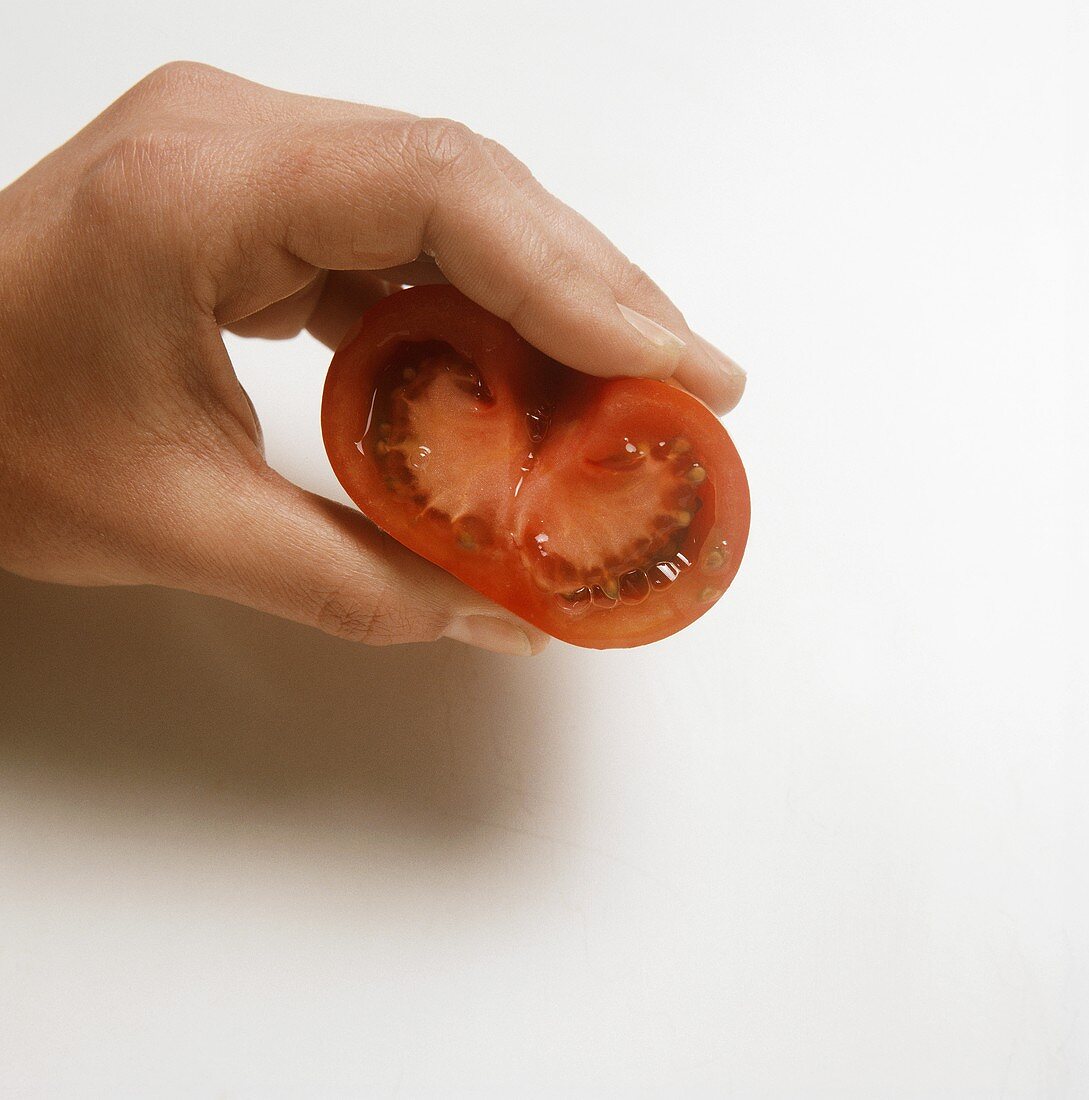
[
  {"x": 494, "y": 634},
  {"x": 731, "y": 377},
  {"x": 737, "y": 391}
]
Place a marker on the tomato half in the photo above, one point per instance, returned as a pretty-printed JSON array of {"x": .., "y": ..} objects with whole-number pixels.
[{"x": 606, "y": 512}]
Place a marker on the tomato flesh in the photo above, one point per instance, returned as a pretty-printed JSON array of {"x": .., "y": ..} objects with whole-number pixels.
[{"x": 606, "y": 512}]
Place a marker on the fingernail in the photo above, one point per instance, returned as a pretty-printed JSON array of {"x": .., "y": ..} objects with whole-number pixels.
[
  {"x": 487, "y": 632},
  {"x": 258, "y": 431},
  {"x": 650, "y": 330}
]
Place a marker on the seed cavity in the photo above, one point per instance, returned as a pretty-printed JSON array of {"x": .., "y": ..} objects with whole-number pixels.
[
  {"x": 634, "y": 587},
  {"x": 628, "y": 457},
  {"x": 626, "y": 573},
  {"x": 575, "y": 603},
  {"x": 630, "y": 588},
  {"x": 663, "y": 574}
]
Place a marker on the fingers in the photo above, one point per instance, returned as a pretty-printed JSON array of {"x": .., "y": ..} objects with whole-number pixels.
[
  {"x": 375, "y": 196},
  {"x": 717, "y": 375},
  {"x": 285, "y": 318},
  {"x": 243, "y": 533},
  {"x": 703, "y": 370},
  {"x": 326, "y": 307},
  {"x": 332, "y": 185}
]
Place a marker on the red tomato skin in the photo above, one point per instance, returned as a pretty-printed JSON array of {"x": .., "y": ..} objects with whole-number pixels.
[{"x": 584, "y": 409}]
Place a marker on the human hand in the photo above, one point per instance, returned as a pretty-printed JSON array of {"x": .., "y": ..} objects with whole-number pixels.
[{"x": 129, "y": 452}]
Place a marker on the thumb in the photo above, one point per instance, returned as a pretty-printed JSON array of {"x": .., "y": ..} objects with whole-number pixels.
[{"x": 249, "y": 535}]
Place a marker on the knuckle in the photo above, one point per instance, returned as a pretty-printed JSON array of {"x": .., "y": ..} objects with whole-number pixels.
[
  {"x": 291, "y": 165},
  {"x": 635, "y": 284},
  {"x": 180, "y": 81},
  {"x": 548, "y": 268},
  {"x": 373, "y": 618},
  {"x": 310, "y": 177},
  {"x": 441, "y": 145},
  {"x": 507, "y": 162},
  {"x": 345, "y": 616},
  {"x": 558, "y": 266},
  {"x": 128, "y": 179}
]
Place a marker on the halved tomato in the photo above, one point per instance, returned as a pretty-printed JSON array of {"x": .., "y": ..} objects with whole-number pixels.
[{"x": 606, "y": 512}]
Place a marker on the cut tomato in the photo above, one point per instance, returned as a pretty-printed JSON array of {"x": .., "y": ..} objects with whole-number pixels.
[{"x": 606, "y": 512}]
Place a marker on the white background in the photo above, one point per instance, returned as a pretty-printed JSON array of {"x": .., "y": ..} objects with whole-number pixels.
[{"x": 827, "y": 843}]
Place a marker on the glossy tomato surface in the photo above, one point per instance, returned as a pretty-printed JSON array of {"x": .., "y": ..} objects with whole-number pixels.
[{"x": 606, "y": 512}]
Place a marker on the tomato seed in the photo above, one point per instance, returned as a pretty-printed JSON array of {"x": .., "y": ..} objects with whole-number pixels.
[{"x": 714, "y": 561}]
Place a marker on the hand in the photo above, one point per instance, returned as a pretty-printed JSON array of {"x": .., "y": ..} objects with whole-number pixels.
[{"x": 130, "y": 454}]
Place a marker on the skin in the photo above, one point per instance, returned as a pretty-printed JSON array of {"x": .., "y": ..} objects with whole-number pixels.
[{"x": 200, "y": 201}]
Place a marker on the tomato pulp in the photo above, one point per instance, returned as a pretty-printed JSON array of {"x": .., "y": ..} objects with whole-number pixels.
[{"x": 607, "y": 512}]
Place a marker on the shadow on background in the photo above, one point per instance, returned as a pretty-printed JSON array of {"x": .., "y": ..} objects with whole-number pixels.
[{"x": 129, "y": 698}]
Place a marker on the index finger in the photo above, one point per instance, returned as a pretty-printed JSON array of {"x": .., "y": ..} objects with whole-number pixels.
[{"x": 372, "y": 193}]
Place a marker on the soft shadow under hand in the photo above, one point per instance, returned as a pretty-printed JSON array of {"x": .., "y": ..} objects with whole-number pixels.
[{"x": 123, "y": 695}]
